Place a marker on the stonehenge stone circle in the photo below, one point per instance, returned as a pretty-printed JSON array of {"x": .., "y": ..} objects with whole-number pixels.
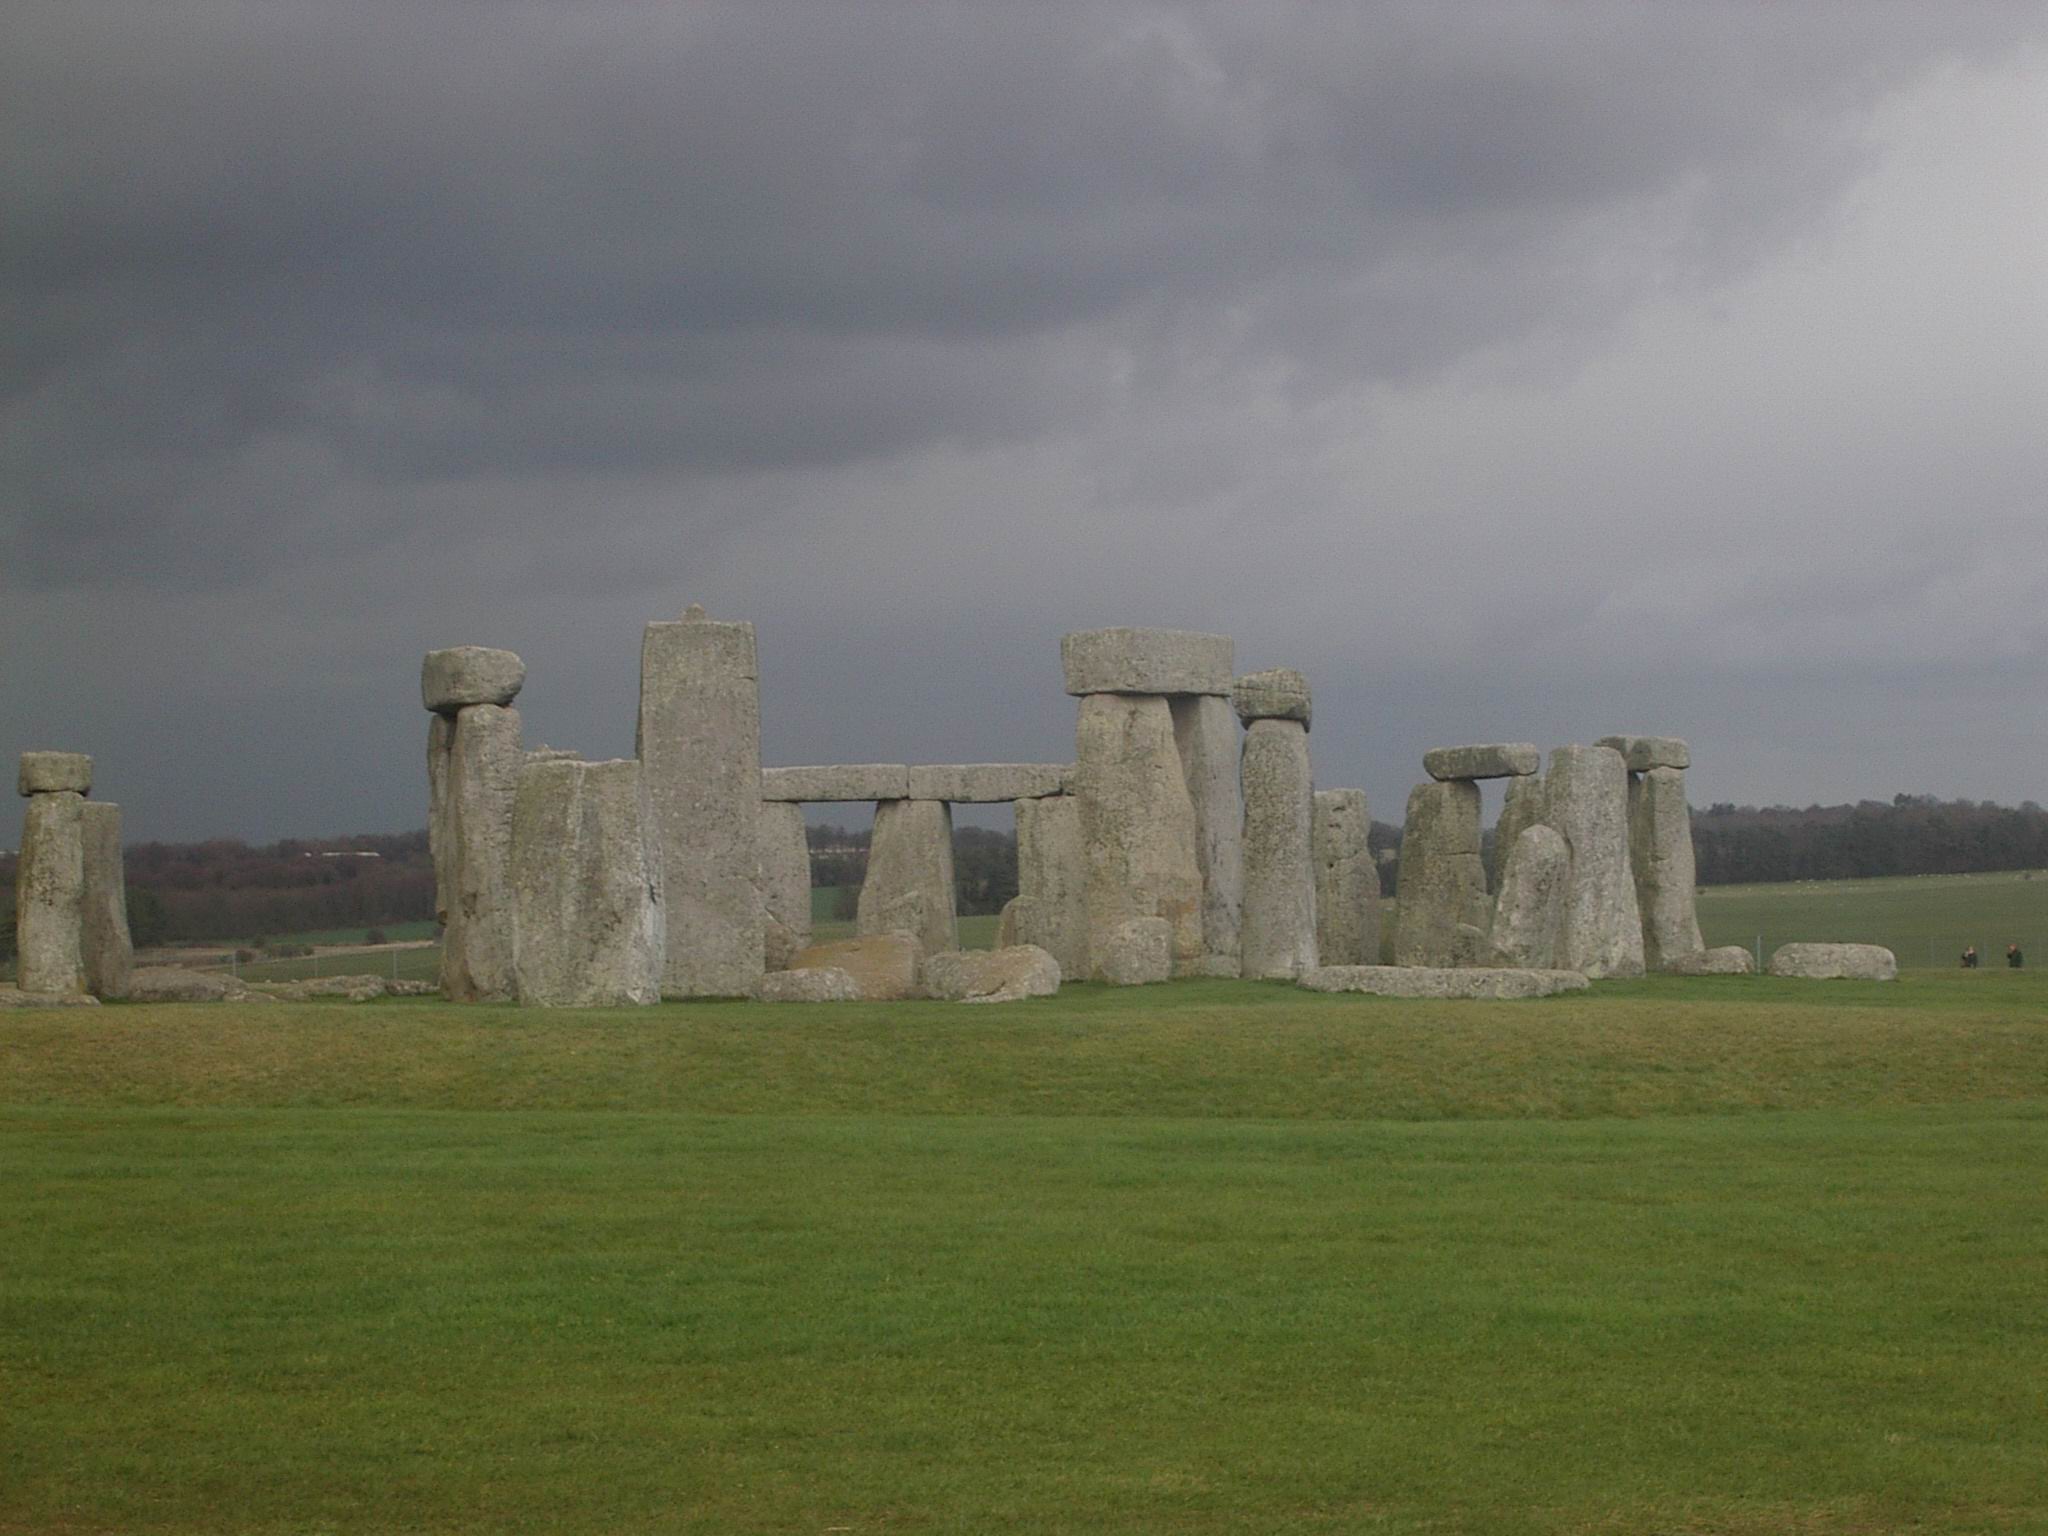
[
  {"x": 463, "y": 675},
  {"x": 105, "y": 949},
  {"x": 1522, "y": 809},
  {"x": 986, "y": 783},
  {"x": 1660, "y": 852},
  {"x": 1205, "y": 735},
  {"x": 887, "y": 967},
  {"x": 1137, "y": 826},
  {"x": 49, "y": 893},
  {"x": 1347, "y": 881},
  {"x": 1136, "y": 952},
  {"x": 54, "y": 773},
  {"x": 1051, "y": 909},
  {"x": 586, "y": 882},
  {"x": 1642, "y": 753},
  {"x": 840, "y": 781},
  {"x": 1499, "y": 760},
  {"x": 1442, "y": 981},
  {"x": 1440, "y": 893},
  {"x": 991, "y": 975},
  {"x": 910, "y": 874},
  {"x": 812, "y": 984},
  {"x": 1528, "y": 918},
  {"x": 785, "y": 883},
  {"x": 1159, "y": 662},
  {"x": 1835, "y": 962},
  {"x": 440, "y": 836},
  {"x": 482, "y": 780},
  {"x": 1586, "y": 802},
  {"x": 1728, "y": 960},
  {"x": 1280, "y": 693},
  {"x": 1277, "y": 934}
]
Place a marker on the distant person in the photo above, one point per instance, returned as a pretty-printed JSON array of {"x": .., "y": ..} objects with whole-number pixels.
[
  {"x": 1970, "y": 958},
  {"x": 2013, "y": 957}
]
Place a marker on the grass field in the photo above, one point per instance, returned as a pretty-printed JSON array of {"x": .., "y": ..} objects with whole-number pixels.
[
  {"x": 1719, "y": 1255},
  {"x": 1923, "y": 919}
]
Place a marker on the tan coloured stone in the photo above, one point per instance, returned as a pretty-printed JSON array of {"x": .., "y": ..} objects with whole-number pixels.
[
  {"x": 1278, "y": 932},
  {"x": 105, "y": 949},
  {"x": 1497, "y": 760},
  {"x": 992, "y": 975},
  {"x": 1441, "y": 882},
  {"x": 49, "y": 894},
  {"x": 1835, "y": 962},
  {"x": 1528, "y": 920},
  {"x": 586, "y": 876},
  {"x": 785, "y": 883},
  {"x": 1051, "y": 909},
  {"x": 1153, "y": 662},
  {"x": 53, "y": 773},
  {"x": 1137, "y": 823},
  {"x": 1205, "y": 734},
  {"x": 909, "y": 882},
  {"x": 463, "y": 675},
  {"x": 1586, "y": 801},
  {"x": 1136, "y": 952},
  {"x": 812, "y": 984},
  {"x": 986, "y": 783},
  {"x": 1280, "y": 693},
  {"x": 1728, "y": 960},
  {"x": 1347, "y": 881},
  {"x": 1661, "y": 858},
  {"x": 1442, "y": 981},
  {"x": 478, "y": 942},
  {"x": 833, "y": 782},
  {"x": 887, "y": 967}
]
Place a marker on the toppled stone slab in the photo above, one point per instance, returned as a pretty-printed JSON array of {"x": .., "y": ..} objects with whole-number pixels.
[
  {"x": 1152, "y": 661},
  {"x": 821, "y": 783},
  {"x": 1642, "y": 753},
  {"x": 1205, "y": 734},
  {"x": 808, "y": 984},
  {"x": 1528, "y": 918},
  {"x": 1835, "y": 962},
  {"x": 886, "y": 967},
  {"x": 1136, "y": 952},
  {"x": 52, "y": 773},
  {"x": 1279, "y": 693},
  {"x": 1494, "y": 760},
  {"x": 174, "y": 984},
  {"x": 464, "y": 675},
  {"x": 987, "y": 783},
  {"x": 1728, "y": 960},
  {"x": 349, "y": 989},
  {"x": 1440, "y": 981},
  {"x": 14, "y": 997},
  {"x": 992, "y": 975}
]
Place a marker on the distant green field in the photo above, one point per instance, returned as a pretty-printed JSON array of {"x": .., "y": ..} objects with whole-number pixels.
[
  {"x": 396, "y": 933},
  {"x": 1925, "y": 920}
]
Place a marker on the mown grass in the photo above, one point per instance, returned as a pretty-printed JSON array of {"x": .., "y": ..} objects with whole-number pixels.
[{"x": 1925, "y": 920}]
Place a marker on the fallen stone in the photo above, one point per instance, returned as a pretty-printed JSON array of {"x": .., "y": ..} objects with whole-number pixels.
[
  {"x": 909, "y": 882},
  {"x": 886, "y": 967},
  {"x": 586, "y": 876},
  {"x": 1137, "y": 823},
  {"x": 174, "y": 984},
  {"x": 1205, "y": 734},
  {"x": 1277, "y": 936},
  {"x": 808, "y": 984},
  {"x": 1439, "y": 981},
  {"x": 477, "y": 961},
  {"x": 105, "y": 950},
  {"x": 992, "y": 975},
  {"x": 1051, "y": 910},
  {"x": 1528, "y": 918},
  {"x": 1499, "y": 760},
  {"x": 463, "y": 675},
  {"x": 1586, "y": 801},
  {"x": 1835, "y": 962},
  {"x": 1441, "y": 886},
  {"x": 49, "y": 894},
  {"x": 1347, "y": 881},
  {"x": 1521, "y": 810},
  {"x": 1728, "y": 960},
  {"x": 1661, "y": 856},
  {"x": 986, "y": 783},
  {"x": 785, "y": 883},
  {"x": 1280, "y": 693},
  {"x": 1146, "y": 661},
  {"x": 1136, "y": 952},
  {"x": 55, "y": 773},
  {"x": 348, "y": 989},
  {"x": 817, "y": 784},
  {"x": 1642, "y": 753}
]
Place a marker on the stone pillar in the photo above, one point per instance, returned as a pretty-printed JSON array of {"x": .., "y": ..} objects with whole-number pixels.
[
  {"x": 700, "y": 739},
  {"x": 1137, "y": 825},
  {"x": 1528, "y": 919},
  {"x": 440, "y": 841},
  {"x": 1205, "y": 733},
  {"x": 49, "y": 880},
  {"x": 785, "y": 883},
  {"x": 1661, "y": 858},
  {"x": 1347, "y": 881},
  {"x": 1586, "y": 800},
  {"x": 909, "y": 884},
  {"x": 473, "y": 761},
  {"x": 1441, "y": 890},
  {"x": 1051, "y": 909},
  {"x": 107, "y": 951},
  {"x": 1522, "y": 810},
  {"x": 1278, "y": 932},
  {"x": 586, "y": 883}
]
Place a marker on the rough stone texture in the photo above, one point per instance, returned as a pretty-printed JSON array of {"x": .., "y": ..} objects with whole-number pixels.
[
  {"x": 1205, "y": 734},
  {"x": 1006, "y": 924},
  {"x": 586, "y": 883},
  {"x": 1137, "y": 825},
  {"x": 1051, "y": 910},
  {"x": 13, "y": 997},
  {"x": 1440, "y": 981},
  {"x": 1528, "y": 918},
  {"x": 821, "y": 783},
  {"x": 1522, "y": 809},
  {"x": 483, "y": 778},
  {"x": 173, "y": 984},
  {"x": 1347, "y": 881},
  {"x": 1728, "y": 960},
  {"x": 463, "y": 675},
  {"x": 1441, "y": 887},
  {"x": 1136, "y": 952},
  {"x": 440, "y": 836},
  {"x": 909, "y": 883},
  {"x": 107, "y": 952},
  {"x": 785, "y": 883},
  {"x": 49, "y": 894},
  {"x": 700, "y": 742},
  {"x": 54, "y": 773},
  {"x": 1278, "y": 932},
  {"x": 1586, "y": 801},
  {"x": 1835, "y": 962},
  {"x": 1278, "y": 694},
  {"x": 1147, "y": 661},
  {"x": 1496, "y": 760},
  {"x": 986, "y": 783},
  {"x": 347, "y": 989},
  {"x": 812, "y": 984},
  {"x": 885, "y": 966},
  {"x": 1660, "y": 854},
  {"x": 1642, "y": 753},
  {"x": 992, "y": 975}
]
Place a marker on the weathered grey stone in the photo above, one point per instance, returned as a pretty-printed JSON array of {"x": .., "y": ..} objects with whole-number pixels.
[
  {"x": 586, "y": 879},
  {"x": 1280, "y": 693},
  {"x": 478, "y": 943},
  {"x": 1528, "y": 919},
  {"x": 547, "y": 754},
  {"x": 1205, "y": 734},
  {"x": 1441, "y": 885},
  {"x": 1586, "y": 801},
  {"x": 1728, "y": 960},
  {"x": 49, "y": 894},
  {"x": 1278, "y": 933},
  {"x": 12, "y": 996},
  {"x": 887, "y": 967},
  {"x": 1146, "y": 661},
  {"x": 1442, "y": 981},
  {"x": 700, "y": 741},
  {"x": 440, "y": 834},
  {"x": 1215, "y": 967},
  {"x": 1642, "y": 753},
  {"x": 464, "y": 675},
  {"x": 821, "y": 783},
  {"x": 174, "y": 984},
  {"x": 1660, "y": 855},
  {"x": 347, "y": 989},
  {"x": 1006, "y": 924},
  {"x": 785, "y": 883},
  {"x": 1052, "y": 882},
  {"x": 53, "y": 773},
  {"x": 1136, "y": 952},
  {"x": 1522, "y": 809},
  {"x": 1835, "y": 962},
  {"x": 991, "y": 975},
  {"x": 105, "y": 949},
  {"x": 986, "y": 783},
  {"x": 1496, "y": 760},
  {"x": 811, "y": 984},
  {"x": 1347, "y": 881},
  {"x": 1137, "y": 824},
  {"x": 910, "y": 874}
]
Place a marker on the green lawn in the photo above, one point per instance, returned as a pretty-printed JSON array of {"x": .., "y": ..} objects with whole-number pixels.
[{"x": 1923, "y": 919}]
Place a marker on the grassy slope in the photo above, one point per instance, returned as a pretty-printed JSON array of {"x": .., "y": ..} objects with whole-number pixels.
[{"x": 1923, "y": 919}]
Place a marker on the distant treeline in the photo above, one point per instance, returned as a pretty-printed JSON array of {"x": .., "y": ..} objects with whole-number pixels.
[{"x": 1912, "y": 835}]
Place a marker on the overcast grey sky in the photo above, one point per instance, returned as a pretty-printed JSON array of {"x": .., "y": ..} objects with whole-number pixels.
[{"x": 1517, "y": 371}]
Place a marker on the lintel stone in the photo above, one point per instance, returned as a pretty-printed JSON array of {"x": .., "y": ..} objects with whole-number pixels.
[
  {"x": 1642, "y": 753},
  {"x": 1492, "y": 760},
  {"x": 46, "y": 773},
  {"x": 837, "y": 781},
  {"x": 1147, "y": 661},
  {"x": 1281, "y": 693},
  {"x": 463, "y": 675},
  {"x": 986, "y": 783}
]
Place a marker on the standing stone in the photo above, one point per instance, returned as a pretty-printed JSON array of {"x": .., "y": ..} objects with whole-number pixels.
[
  {"x": 700, "y": 739},
  {"x": 785, "y": 883},
  {"x": 1347, "y": 881},
  {"x": 477, "y": 949},
  {"x": 1660, "y": 853},
  {"x": 1586, "y": 801},
  {"x": 1442, "y": 886},
  {"x": 440, "y": 838},
  {"x": 49, "y": 892},
  {"x": 1137, "y": 825},
  {"x": 1528, "y": 919},
  {"x": 1522, "y": 810},
  {"x": 1205, "y": 735},
  {"x": 909, "y": 885},
  {"x": 1051, "y": 909},
  {"x": 1279, "y": 928},
  {"x": 105, "y": 948},
  {"x": 1136, "y": 952},
  {"x": 586, "y": 882}
]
